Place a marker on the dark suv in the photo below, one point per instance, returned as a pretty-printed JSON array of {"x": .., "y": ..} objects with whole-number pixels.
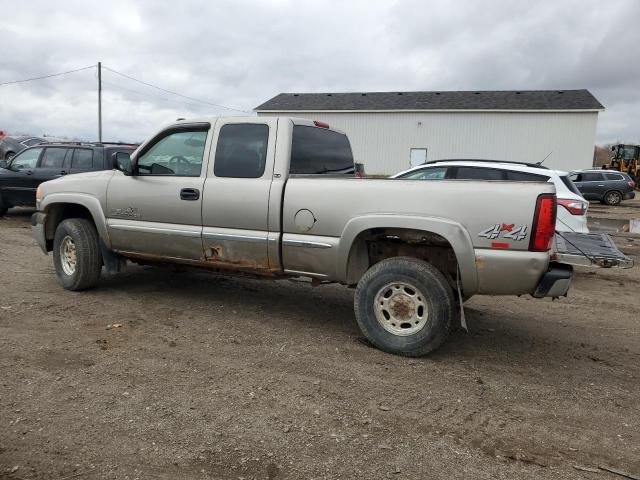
[
  {"x": 607, "y": 186},
  {"x": 20, "y": 176}
]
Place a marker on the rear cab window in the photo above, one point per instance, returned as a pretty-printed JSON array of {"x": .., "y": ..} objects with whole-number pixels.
[
  {"x": 316, "y": 150},
  {"x": 242, "y": 150}
]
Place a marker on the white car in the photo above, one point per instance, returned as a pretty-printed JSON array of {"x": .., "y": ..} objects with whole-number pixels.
[{"x": 572, "y": 207}]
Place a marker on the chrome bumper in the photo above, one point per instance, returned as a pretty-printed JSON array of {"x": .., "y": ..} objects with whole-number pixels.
[{"x": 37, "y": 229}]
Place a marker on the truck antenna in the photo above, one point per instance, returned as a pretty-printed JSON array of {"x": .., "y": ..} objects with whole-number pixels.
[{"x": 542, "y": 161}]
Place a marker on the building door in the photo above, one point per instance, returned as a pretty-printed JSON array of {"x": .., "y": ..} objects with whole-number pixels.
[{"x": 417, "y": 156}]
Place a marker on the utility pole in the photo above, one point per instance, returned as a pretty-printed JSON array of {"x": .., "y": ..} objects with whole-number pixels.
[{"x": 100, "y": 101}]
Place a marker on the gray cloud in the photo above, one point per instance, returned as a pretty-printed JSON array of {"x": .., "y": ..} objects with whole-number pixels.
[{"x": 241, "y": 53}]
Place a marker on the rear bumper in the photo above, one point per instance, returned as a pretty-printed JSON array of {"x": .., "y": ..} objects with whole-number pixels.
[
  {"x": 37, "y": 229},
  {"x": 555, "y": 282},
  {"x": 629, "y": 195}
]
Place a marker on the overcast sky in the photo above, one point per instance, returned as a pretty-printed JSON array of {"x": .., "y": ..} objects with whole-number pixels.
[{"x": 241, "y": 53}]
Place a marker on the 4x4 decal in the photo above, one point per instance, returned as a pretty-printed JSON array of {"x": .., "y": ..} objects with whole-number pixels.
[{"x": 507, "y": 230}]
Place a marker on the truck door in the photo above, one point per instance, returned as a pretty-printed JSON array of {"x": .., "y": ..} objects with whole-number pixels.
[
  {"x": 236, "y": 194},
  {"x": 157, "y": 212}
]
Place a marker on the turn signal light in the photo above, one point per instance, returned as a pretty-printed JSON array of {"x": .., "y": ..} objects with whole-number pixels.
[{"x": 544, "y": 223}]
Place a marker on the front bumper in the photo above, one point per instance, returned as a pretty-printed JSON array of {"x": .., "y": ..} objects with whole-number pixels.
[
  {"x": 629, "y": 195},
  {"x": 37, "y": 229},
  {"x": 555, "y": 282}
]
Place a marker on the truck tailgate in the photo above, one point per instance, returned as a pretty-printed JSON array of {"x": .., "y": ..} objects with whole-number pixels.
[{"x": 588, "y": 249}]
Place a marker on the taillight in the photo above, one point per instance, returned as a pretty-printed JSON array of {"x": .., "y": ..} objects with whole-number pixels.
[
  {"x": 320, "y": 124},
  {"x": 632, "y": 184},
  {"x": 544, "y": 223},
  {"x": 575, "y": 207}
]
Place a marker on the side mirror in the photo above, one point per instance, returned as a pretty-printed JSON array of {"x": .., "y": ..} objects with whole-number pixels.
[
  {"x": 3, "y": 164},
  {"x": 122, "y": 161}
]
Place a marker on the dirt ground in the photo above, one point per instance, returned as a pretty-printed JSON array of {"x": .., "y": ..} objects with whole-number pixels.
[{"x": 220, "y": 377}]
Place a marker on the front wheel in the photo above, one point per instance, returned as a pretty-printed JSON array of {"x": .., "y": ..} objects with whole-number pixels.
[
  {"x": 612, "y": 198},
  {"x": 404, "y": 306},
  {"x": 76, "y": 254}
]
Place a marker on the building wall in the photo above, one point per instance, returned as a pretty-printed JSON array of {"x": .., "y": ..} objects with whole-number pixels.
[{"x": 382, "y": 140}]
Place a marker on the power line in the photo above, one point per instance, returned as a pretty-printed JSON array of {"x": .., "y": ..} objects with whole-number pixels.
[
  {"x": 47, "y": 76},
  {"x": 172, "y": 92},
  {"x": 157, "y": 97}
]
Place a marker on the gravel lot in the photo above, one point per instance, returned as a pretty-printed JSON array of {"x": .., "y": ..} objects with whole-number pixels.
[{"x": 221, "y": 377}]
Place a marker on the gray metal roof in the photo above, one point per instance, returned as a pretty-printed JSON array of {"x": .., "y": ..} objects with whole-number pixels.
[{"x": 446, "y": 100}]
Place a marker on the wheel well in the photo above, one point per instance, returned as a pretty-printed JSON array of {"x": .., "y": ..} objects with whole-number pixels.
[
  {"x": 58, "y": 212},
  {"x": 374, "y": 245}
]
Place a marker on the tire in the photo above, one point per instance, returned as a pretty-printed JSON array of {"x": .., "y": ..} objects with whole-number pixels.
[
  {"x": 3, "y": 211},
  {"x": 76, "y": 254},
  {"x": 612, "y": 197},
  {"x": 400, "y": 286}
]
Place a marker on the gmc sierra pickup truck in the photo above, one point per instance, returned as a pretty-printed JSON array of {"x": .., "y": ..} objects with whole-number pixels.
[{"x": 276, "y": 197}]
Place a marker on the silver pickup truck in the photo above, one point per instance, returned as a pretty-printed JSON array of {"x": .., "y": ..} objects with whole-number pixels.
[{"x": 277, "y": 197}]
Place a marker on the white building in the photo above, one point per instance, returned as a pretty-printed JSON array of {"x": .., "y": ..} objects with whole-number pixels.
[{"x": 391, "y": 131}]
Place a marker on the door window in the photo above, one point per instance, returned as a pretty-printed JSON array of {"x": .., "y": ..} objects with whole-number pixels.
[
  {"x": 613, "y": 176},
  {"x": 591, "y": 177},
  {"x": 178, "y": 154},
  {"x": 525, "y": 176},
  {"x": 26, "y": 160},
  {"x": 479, "y": 173},
  {"x": 241, "y": 150},
  {"x": 82, "y": 159},
  {"x": 53, "y": 158},
  {"x": 435, "y": 173},
  {"x": 417, "y": 156}
]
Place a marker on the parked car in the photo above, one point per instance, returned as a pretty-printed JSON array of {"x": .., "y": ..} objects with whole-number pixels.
[
  {"x": 572, "y": 207},
  {"x": 21, "y": 175},
  {"x": 11, "y": 146},
  {"x": 604, "y": 185},
  {"x": 261, "y": 195}
]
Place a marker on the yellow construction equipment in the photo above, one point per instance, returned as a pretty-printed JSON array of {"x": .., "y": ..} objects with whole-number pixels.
[{"x": 626, "y": 158}]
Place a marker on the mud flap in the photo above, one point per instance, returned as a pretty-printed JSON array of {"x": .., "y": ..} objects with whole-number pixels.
[
  {"x": 588, "y": 249},
  {"x": 463, "y": 320}
]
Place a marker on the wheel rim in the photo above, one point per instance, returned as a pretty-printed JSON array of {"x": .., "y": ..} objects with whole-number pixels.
[
  {"x": 613, "y": 197},
  {"x": 401, "y": 309},
  {"x": 68, "y": 255}
]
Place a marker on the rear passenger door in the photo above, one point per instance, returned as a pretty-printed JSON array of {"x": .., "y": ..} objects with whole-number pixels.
[
  {"x": 51, "y": 163},
  {"x": 236, "y": 194}
]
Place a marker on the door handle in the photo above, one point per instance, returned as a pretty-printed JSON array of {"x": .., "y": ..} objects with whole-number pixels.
[
  {"x": 601, "y": 185},
  {"x": 189, "y": 194},
  {"x": 29, "y": 172},
  {"x": 63, "y": 172}
]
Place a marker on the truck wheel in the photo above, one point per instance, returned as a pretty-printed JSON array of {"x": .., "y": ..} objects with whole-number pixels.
[
  {"x": 3, "y": 210},
  {"x": 405, "y": 306},
  {"x": 612, "y": 198},
  {"x": 76, "y": 254}
]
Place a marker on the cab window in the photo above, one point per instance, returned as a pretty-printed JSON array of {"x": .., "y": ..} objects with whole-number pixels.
[
  {"x": 26, "y": 160},
  {"x": 177, "y": 153},
  {"x": 241, "y": 150}
]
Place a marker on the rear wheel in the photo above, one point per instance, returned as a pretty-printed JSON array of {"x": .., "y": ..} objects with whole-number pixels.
[
  {"x": 612, "y": 198},
  {"x": 76, "y": 254},
  {"x": 404, "y": 306}
]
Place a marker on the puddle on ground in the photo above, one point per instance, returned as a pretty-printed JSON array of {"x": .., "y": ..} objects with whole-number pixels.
[{"x": 612, "y": 225}]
